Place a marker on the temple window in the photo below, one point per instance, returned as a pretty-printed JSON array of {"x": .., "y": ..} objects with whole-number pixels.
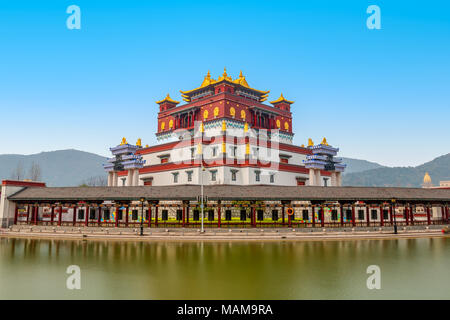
[
  {"x": 274, "y": 215},
  {"x": 106, "y": 214},
  {"x": 196, "y": 215},
  {"x": 360, "y": 214},
  {"x": 134, "y": 214},
  {"x": 260, "y": 215},
  {"x": 80, "y": 214},
  {"x": 228, "y": 215},
  {"x": 92, "y": 214},
  {"x": 334, "y": 214},
  {"x": 325, "y": 182},
  {"x": 272, "y": 178},
  {"x": 179, "y": 214},
  {"x": 213, "y": 175},
  {"x": 243, "y": 215},
  {"x": 374, "y": 215},
  {"x": 211, "y": 215},
  {"x": 348, "y": 214},
  {"x": 192, "y": 153},
  {"x": 385, "y": 214},
  {"x": 257, "y": 175},
  {"x": 120, "y": 214},
  {"x": 175, "y": 177},
  {"x": 305, "y": 214},
  {"x": 233, "y": 175},
  {"x": 189, "y": 176},
  {"x": 165, "y": 215},
  {"x": 214, "y": 151}
]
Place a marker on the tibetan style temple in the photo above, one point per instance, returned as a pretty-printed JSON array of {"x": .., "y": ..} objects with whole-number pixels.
[{"x": 226, "y": 128}]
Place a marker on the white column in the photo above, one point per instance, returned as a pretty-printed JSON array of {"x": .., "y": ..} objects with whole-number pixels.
[
  {"x": 110, "y": 178},
  {"x": 136, "y": 177},
  {"x": 333, "y": 179},
  {"x": 115, "y": 178},
  {"x": 130, "y": 178},
  {"x": 318, "y": 182},
  {"x": 312, "y": 177},
  {"x": 338, "y": 179}
]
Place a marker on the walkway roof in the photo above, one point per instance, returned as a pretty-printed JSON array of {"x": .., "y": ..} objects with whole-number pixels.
[{"x": 231, "y": 192}]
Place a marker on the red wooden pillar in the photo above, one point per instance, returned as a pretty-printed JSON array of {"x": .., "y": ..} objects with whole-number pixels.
[
  {"x": 341, "y": 211},
  {"x": 16, "y": 212},
  {"x": 407, "y": 214},
  {"x": 52, "y": 215},
  {"x": 253, "y": 216},
  {"x": 322, "y": 216},
  {"x": 391, "y": 218},
  {"x": 28, "y": 213},
  {"x": 99, "y": 219},
  {"x": 219, "y": 214},
  {"x": 60, "y": 215},
  {"x": 353, "y": 216},
  {"x": 36, "y": 212},
  {"x": 381, "y": 215},
  {"x": 313, "y": 215},
  {"x": 86, "y": 217},
  {"x": 428, "y": 215},
  {"x": 411, "y": 214},
  {"x": 184, "y": 214},
  {"x": 368, "y": 215},
  {"x": 156, "y": 215},
  {"x": 74, "y": 215}
]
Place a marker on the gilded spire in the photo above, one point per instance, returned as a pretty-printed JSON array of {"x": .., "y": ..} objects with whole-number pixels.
[
  {"x": 324, "y": 141},
  {"x": 168, "y": 99},
  {"x": 124, "y": 141},
  {"x": 281, "y": 99},
  {"x": 139, "y": 142},
  {"x": 426, "y": 178},
  {"x": 310, "y": 142}
]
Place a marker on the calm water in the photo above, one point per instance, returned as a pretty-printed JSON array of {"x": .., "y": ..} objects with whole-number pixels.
[{"x": 35, "y": 269}]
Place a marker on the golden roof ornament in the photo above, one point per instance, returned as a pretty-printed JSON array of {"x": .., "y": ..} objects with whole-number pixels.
[
  {"x": 281, "y": 99},
  {"x": 124, "y": 141},
  {"x": 310, "y": 143},
  {"x": 324, "y": 141},
  {"x": 147, "y": 146},
  {"x": 168, "y": 99},
  {"x": 246, "y": 127},
  {"x": 426, "y": 178},
  {"x": 224, "y": 125},
  {"x": 139, "y": 142}
]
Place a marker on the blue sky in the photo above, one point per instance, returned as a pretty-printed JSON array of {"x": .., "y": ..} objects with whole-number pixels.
[{"x": 380, "y": 95}]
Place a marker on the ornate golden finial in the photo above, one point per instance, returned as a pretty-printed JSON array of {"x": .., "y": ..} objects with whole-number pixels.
[
  {"x": 224, "y": 125},
  {"x": 246, "y": 127},
  {"x": 310, "y": 142},
  {"x": 147, "y": 146},
  {"x": 208, "y": 75},
  {"x": 241, "y": 75},
  {"x": 139, "y": 142},
  {"x": 224, "y": 72},
  {"x": 124, "y": 141},
  {"x": 302, "y": 146},
  {"x": 426, "y": 178},
  {"x": 324, "y": 141}
]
